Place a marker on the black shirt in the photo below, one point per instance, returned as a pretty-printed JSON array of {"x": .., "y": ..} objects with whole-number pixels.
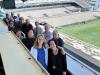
[
  {"x": 28, "y": 42},
  {"x": 25, "y": 28},
  {"x": 56, "y": 63},
  {"x": 58, "y": 41}
]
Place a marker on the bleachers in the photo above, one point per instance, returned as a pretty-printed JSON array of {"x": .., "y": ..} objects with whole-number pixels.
[
  {"x": 73, "y": 9},
  {"x": 55, "y": 19},
  {"x": 43, "y": 3}
]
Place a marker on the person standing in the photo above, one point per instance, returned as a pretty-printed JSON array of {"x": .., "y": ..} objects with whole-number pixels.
[
  {"x": 19, "y": 34},
  {"x": 57, "y": 39},
  {"x": 37, "y": 30},
  {"x": 56, "y": 59},
  {"x": 47, "y": 33},
  {"x": 29, "y": 41},
  {"x": 26, "y": 27},
  {"x": 39, "y": 51}
]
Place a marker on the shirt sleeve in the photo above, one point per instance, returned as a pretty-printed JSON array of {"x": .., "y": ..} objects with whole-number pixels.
[
  {"x": 62, "y": 42},
  {"x": 34, "y": 52},
  {"x": 64, "y": 62}
]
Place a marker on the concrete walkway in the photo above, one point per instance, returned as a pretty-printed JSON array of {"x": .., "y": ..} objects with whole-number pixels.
[{"x": 58, "y": 16}]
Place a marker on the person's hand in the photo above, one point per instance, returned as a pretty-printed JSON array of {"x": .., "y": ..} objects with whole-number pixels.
[
  {"x": 64, "y": 73},
  {"x": 62, "y": 50}
]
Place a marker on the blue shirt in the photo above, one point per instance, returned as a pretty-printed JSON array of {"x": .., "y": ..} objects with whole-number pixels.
[{"x": 41, "y": 57}]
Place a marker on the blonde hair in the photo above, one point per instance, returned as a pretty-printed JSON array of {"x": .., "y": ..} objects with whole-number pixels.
[{"x": 36, "y": 44}]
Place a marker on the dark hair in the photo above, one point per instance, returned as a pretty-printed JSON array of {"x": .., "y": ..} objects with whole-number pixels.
[
  {"x": 29, "y": 30},
  {"x": 16, "y": 30},
  {"x": 7, "y": 14},
  {"x": 15, "y": 17},
  {"x": 50, "y": 41}
]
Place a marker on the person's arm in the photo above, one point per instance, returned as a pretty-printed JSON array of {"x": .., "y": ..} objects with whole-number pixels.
[
  {"x": 64, "y": 73},
  {"x": 61, "y": 42},
  {"x": 62, "y": 50},
  {"x": 50, "y": 61},
  {"x": 31, "y": 27},
  {"x": 64, "y": 64},
  {"x": 64, "y": 60},
  {"x": 34, "y": 52}
]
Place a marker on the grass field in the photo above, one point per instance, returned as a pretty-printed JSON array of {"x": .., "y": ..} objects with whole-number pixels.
[{"x": 88, "y": 32}]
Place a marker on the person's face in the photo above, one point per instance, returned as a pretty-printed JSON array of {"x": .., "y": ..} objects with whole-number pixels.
[
  {"x": 30, "y": 33},
  {"x": 12, "y": 14},
  {"x": 18, "y": 34},
  {"x": 28, "y": 21},
  {"x": 56, "y": 35},
  {"x": 36, "y": 24},
  {"x": 52, "y": 45},
  {"x": 18, "y": 15},
  {"x": 7, "y": 20},
  {"x": 46, "y": 28},
  {"x": 11, "y": 23},
  {"x": 40, "y": 40},
  {"x": 7, "y": 16}
]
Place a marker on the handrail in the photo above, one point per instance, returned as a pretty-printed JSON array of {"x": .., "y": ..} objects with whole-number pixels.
[
  {"x": 71, "y": 41},
  {"x": 83, "y": 64}
]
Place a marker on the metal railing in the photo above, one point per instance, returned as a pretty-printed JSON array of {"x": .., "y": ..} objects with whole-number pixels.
[{"x": 82, "y": 64}]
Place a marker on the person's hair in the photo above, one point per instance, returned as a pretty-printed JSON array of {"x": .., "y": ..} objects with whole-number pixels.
[
  {"x": 16, "y": 30},
  {"x": 36, "y": 44},
  {"x": 7, "y": 14},
  {"x": 50, "y": 41},
  {"x": 46, "y": 25},
  {"x": 15, "y": 17},
  {"x": 54, "y": 32},
  {"x": 30, "y": 30},
  {"x": 36, "y": 22}
]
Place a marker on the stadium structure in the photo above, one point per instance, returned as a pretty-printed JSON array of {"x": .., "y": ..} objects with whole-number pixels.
[
  {"x": 15, "y": 58},
  {"x": 95, "y": 5}
]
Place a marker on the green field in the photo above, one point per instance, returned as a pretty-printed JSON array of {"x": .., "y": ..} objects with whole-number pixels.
[{"x": 88, "y": 32}]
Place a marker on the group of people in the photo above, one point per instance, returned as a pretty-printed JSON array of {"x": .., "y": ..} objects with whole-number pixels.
[{"x": 46, "y": 47}]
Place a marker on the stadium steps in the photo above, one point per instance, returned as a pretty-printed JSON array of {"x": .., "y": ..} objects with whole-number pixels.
[{"x": 82, "y": 3}]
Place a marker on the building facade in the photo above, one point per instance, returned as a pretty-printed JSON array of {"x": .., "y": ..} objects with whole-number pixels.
[{"x": 95, "y": 5}]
